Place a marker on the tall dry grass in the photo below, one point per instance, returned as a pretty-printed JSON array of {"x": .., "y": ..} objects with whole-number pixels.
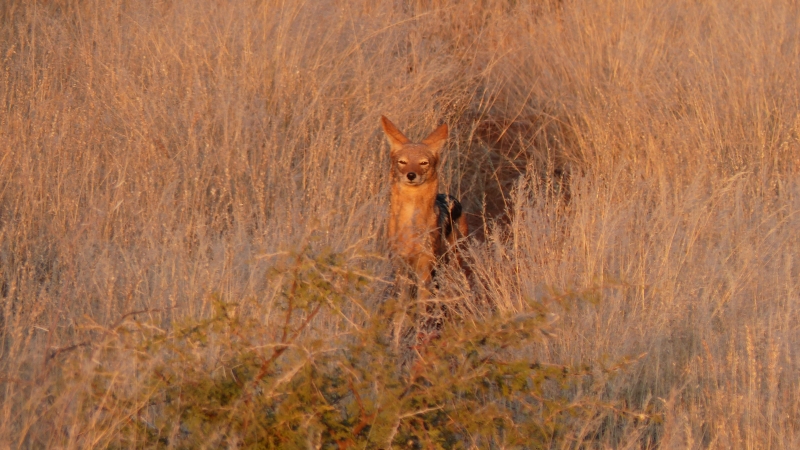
[{"x": 642, "y": 154}]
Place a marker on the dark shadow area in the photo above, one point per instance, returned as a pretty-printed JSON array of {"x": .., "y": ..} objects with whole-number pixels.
[{"x": 502, "y": 151}]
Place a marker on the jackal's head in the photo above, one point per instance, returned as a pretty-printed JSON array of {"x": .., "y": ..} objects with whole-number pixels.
[{"x": 414, "y": 164}]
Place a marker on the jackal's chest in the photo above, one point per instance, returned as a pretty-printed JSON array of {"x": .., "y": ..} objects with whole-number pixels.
[
  {"x": 421, "y": 217},
  {"x": 412, "y": 228}
]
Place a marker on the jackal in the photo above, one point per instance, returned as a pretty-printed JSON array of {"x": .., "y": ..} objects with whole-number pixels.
[{"x": 424, "y": 225}]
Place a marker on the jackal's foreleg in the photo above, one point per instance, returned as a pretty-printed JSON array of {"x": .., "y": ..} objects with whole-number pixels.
[{"x": 423, "y": 268}]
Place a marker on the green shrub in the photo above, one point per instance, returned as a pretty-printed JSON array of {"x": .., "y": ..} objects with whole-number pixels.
[{"x": 223, "y": 381}]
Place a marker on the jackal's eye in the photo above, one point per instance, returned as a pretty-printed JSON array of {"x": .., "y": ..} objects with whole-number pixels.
[
  {"x": 402, "y": 162},
  {"x": 423, "y": 163}
]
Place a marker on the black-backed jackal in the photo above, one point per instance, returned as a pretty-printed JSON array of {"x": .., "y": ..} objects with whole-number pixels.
[{"x": 424, "y": 225}]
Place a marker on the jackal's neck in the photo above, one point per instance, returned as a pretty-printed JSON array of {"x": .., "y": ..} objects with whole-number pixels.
[{"x": 417, "y": 194}]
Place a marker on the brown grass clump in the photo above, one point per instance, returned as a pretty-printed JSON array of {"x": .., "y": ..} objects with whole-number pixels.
[{"x": 631, "y": 169}]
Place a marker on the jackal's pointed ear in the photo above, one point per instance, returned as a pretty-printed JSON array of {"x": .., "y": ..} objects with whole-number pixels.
[
  {"x": 435, "y": 141},
  {"x": 396, "y": 139}
]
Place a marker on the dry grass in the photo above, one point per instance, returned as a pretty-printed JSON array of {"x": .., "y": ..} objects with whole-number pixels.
[{"x": 645, "y": 153}]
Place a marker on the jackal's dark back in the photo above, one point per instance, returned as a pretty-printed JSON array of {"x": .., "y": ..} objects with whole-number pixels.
[{"x": 449, "y": 212}]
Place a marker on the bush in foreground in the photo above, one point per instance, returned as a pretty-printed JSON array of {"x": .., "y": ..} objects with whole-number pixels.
[{"x": 223, "y": 381}]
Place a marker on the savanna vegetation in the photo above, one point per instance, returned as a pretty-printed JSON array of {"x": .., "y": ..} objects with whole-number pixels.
[{"x": 193, "y": 201}]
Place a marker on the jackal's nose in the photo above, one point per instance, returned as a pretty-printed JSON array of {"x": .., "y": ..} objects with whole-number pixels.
[{"x": 411, "y": 176}]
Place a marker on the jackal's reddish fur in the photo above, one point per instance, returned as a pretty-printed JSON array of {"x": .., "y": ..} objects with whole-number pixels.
[{"x": 423, "y": 224}]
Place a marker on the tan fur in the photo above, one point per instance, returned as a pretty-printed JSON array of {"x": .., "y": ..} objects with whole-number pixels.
[{"x": 414, "y": 233}]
